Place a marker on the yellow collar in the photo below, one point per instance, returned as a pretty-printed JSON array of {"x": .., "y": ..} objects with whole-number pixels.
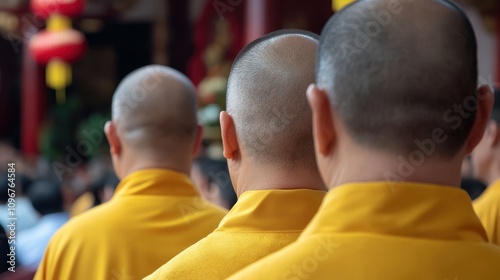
[
  {"x": 157, "y": 182},
  {"x": 272, "y": 210},
  {"x": 402, "y": 209}
]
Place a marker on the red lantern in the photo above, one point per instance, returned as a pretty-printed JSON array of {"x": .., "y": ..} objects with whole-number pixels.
[
  {"x": 68, "y": 45},
  {"x": 59, "y": 45},
  {"x": 69, "y": 8}
]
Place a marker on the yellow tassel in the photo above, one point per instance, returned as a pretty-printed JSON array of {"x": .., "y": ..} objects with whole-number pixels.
[
  {"x": 59, "y": 74},
  {"x": 58, "y": 22},
  {"x": 58, "y": 77},
  {"x": 61, "y": 96}
]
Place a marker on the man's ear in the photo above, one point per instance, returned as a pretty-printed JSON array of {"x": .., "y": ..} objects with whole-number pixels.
[
  {"x": 485, "y": 100},
  {"x": 197, "y": 141},
  {"x": 228, "y": 133},
  {"x": 323, "y": 131},
  {"x": 111, "y": 132}
]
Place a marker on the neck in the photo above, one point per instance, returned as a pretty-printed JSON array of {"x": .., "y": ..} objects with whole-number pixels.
[
  {"x": 255, "y": 176},
  {"x": 362, "y": 165},
  {"x": 155, "y": 161}
]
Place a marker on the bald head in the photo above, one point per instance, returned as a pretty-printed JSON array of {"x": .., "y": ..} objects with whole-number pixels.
[
  {"x": 266, "y": 98},
  {"x": 394, "y": 70},
  {"x": 155, "y": 109}
]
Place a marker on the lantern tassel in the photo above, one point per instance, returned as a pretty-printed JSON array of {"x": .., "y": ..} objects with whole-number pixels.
[
  {"x": 58, "y": 22},
  {"x": 61, "y": 96},
  {"x": 58, "y": 78}
]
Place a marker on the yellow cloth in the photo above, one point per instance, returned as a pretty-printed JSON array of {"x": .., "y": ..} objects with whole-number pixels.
[
  {"x": 385, "y": 231},
  {"x": 260, "y": 223},
  {"x": 487, "y": 207},
  {"x": 82, "y": 204},
  {"x": 154, "y": 215},
  {"x": 339, "y": 4}
]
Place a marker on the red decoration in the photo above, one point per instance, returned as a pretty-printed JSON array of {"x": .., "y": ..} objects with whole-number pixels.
[
  {"x": 202, "y": 38},
  {"x": 68, "y": 45},
  {"x": 69, "y": 8},
  {"x": 58, "y": 45}
]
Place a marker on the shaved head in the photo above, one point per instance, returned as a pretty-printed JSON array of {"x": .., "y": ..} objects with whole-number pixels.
[
  {"x": 395, "y": 70},
  {"x": 266, "y": 97},
  {"x": 155, "y": 109}
]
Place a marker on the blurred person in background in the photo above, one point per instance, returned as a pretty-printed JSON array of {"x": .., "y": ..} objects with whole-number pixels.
[
  {"x": 106, "y": 192},
  {"x": 24, "y": 212},
  {"x": 4, "y": 250},
  {"x": 486, "y": 166},
  {"x": 99, "y": 192},
  {"x": 47, "y": 199},
  {"x": 8, "y": 154},
  {"x": 211, "y": 177},
  {"x": 156, "y": 211},
  {"x": 469, "y": 183}
]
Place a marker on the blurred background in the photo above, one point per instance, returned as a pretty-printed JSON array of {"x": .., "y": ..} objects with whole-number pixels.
[
  {"x": 52, "y": 127},
  {"x": 200, "y": 38},
  {"x": 55, "y": 131}
]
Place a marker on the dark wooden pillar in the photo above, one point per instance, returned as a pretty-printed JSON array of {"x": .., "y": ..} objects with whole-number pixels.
[
  {"x": 261, "y": 17},
  {"x": 33, "y": 103},
  {"x": 180, "y": 35},
  {"x": 8, "y": 104}
]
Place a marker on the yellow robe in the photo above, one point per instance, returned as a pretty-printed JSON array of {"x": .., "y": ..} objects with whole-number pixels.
[
  {"x": 260, "y": 223},
  {"x": 384, "y": 231},
  {"x": 487, "y": 207},
  {"x": 154, "y": 215}
]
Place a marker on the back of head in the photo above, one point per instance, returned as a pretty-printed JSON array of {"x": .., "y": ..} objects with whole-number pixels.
[
  {"x": 266, "y": 97},
  {"x": 155, "y": 109},
  {"x": 396, "y": 71},
  {"x": 46, "y": 197}
]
